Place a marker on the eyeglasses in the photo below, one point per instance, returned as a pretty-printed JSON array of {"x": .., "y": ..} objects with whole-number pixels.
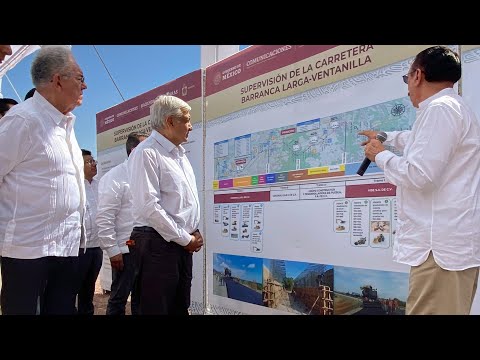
[
  {"x": 79, "y": 78},
  {"x": 405, "y": 77},
  {"x": 91, "y": 162}
]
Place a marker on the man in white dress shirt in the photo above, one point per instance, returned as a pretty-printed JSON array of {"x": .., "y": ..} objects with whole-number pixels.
[
  {"x": 42, "y": 195},
  {"x": 115, "y": 224},
  {"x": 166, "y": 210},
  {"x": 438, "y": 187},
  {"x": 90, "y": 255}
]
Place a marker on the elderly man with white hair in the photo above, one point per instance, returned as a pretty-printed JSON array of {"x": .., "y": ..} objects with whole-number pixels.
[{"x": 42, "y": 193}]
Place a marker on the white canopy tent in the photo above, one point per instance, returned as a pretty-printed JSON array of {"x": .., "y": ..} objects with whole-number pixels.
[
  {"x": 209, "y": 55},
  {"x": 18, "y": 53}
]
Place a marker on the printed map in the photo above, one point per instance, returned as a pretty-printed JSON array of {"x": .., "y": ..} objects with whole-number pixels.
[
  {"x": 333, "y": 140},
  {"x": 395, "y": 115}
]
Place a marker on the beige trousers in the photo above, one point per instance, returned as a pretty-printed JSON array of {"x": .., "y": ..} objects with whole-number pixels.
[{"x": 435, "y": 291}]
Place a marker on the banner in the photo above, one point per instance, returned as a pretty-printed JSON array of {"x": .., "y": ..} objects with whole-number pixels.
[{"x": 291, "y": 228}]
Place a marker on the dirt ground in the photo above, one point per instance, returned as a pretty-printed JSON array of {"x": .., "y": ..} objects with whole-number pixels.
[{"x": 100, "y": 300}]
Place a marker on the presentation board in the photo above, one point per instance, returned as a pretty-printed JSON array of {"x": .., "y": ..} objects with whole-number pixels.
[
  {"x": 292, "y": 229},
  {"x": 114, "y": 125}
]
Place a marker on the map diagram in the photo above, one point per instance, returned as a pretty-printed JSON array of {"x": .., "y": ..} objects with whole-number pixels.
[
  {"x": 329, "y": 141},
  {"x": 395, "y": 115}
]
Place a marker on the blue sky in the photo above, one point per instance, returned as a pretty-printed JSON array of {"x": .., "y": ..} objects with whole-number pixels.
[
  {"x": 244, "y": 267},
  {"x": 135, "y": 69},
  {"x": 389, "y": 284},
  {"x": 295, "y": 268}
]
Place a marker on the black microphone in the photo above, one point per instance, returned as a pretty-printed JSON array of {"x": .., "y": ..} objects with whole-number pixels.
[{"x": 381, "y": 136}]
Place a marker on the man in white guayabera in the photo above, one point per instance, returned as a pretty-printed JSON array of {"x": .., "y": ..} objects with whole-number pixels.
[
  {"x": 42, "y": 194},
  {"x": 438, "y": 187}
]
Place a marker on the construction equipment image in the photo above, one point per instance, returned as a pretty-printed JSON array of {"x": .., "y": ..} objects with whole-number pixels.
[{"x": 370, "y": 297}]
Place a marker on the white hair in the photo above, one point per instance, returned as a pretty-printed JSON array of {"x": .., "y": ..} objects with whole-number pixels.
[
  {"x": 50, "y": 60},
  {"x": 165, "y": 106}
]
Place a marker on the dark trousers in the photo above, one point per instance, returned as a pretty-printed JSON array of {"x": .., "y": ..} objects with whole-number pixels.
[
  {"x": 164, "y": 274},
  {"x": 90, "y": 263},
  {"x": 124, "y": 283},
  {"x": 51, "y": 279}
]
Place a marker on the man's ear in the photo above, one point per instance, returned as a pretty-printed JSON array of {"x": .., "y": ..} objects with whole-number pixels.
[
  {"x": 169, "y": 120},
  {"x": 56, "y": 80}
]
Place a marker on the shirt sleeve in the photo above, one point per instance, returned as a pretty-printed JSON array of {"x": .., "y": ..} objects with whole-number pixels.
[
  {"x": 144, "y": 184},
  {"x": 110, "y": 193},
  {"x": 14, "y": 143},
  {"x": 397, "y": 139},
  {"x": 436, "y": 138}
]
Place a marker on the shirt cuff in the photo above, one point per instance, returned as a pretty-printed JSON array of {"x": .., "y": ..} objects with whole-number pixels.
[
  {"x": 382, "y": 157},
  {"x": 389, "y": 138},
  {"x": 114, "y": 250},
  {"x": 184, "y": 239}
]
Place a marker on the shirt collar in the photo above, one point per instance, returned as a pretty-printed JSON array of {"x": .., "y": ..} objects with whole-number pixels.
[
  {"x": 446, "y": 91},
  {"x": 167, "y": 144},
  {"x": 51, "y": 111},
  {"x": 94, "y": 180}
]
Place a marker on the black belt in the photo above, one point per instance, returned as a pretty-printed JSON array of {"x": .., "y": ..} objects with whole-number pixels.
[{"x": 150, "y": 229}]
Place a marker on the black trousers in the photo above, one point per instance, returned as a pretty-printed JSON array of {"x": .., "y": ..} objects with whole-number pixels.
[
  {"x": 90, "y": 263},
  {"x": 51, "y": 279},
  {"x": 164, "y": 274},
  {"x": 124, "y": 282}
]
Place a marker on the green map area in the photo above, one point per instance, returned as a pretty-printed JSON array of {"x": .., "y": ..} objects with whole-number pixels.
[
  {"x": 395, "y": 115},
  {"x": 329, "y": 141}
]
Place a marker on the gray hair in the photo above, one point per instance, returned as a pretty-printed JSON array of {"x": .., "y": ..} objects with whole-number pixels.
[
  {"x": 50, "y": 60},
  {"x": 165, "y": 106}
]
